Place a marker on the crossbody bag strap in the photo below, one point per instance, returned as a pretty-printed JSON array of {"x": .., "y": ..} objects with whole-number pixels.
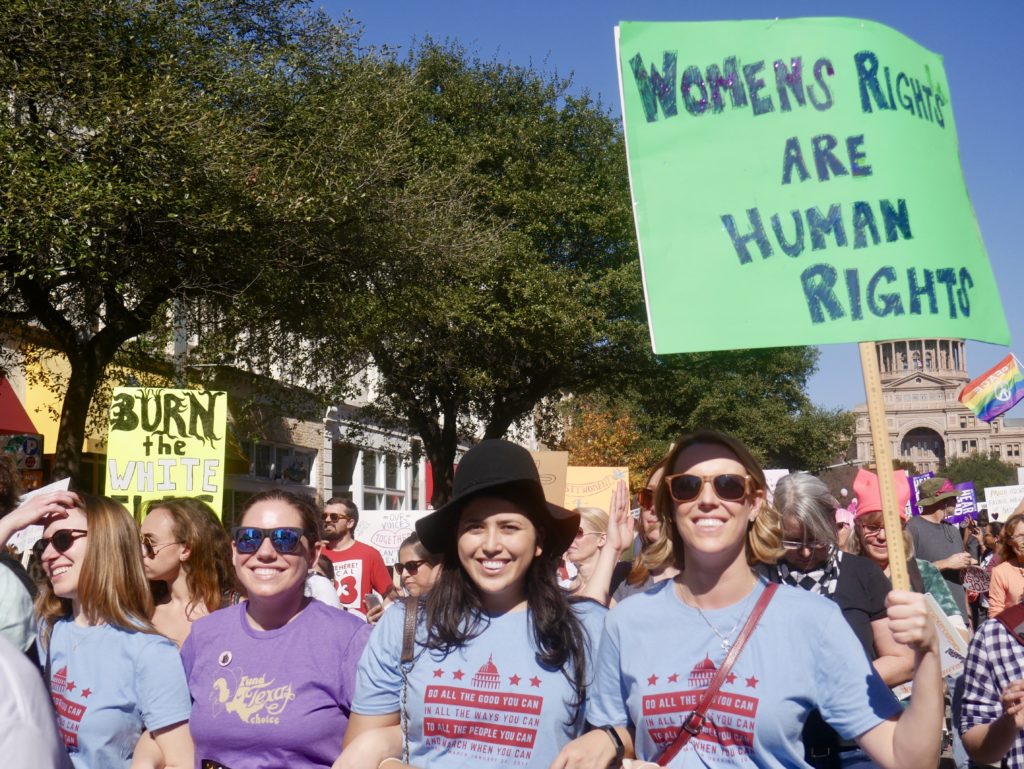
[
  {"x": 409, "y": 630},
  {"x": 695, "y": 721},
  {"x": 406, "y": 662}
]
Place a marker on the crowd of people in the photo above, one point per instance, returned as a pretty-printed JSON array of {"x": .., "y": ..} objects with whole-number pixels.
[{"x": 725, "y": 625}]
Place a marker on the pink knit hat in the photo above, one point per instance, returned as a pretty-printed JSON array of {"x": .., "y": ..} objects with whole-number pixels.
[{"x": 869, "y": 497}]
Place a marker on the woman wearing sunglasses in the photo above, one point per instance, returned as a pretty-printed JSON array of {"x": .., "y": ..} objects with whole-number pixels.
[
  {"x": 499, "y": 658},
  {"x": 812, "y": 560},
  {"x": 186, "y": 555},
  {"x": 111, "y": 675},
  {"x": 595, "y": 550},
  {"x": 272, "y": 678},
  {"x": 417, "y": 569},
  {"x": 653, "y": 563},
  {"x": 661, "y": 649},
  {"x": 869, "y": 539}
]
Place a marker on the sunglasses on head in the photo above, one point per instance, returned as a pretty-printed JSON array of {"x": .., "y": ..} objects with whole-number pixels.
[
  {"x": 410, "y": 566},
  {"x": 729, "y": 487},
  {"x": 61, "y": 540},
  {"x": 335, "y": 517},
  {"x": 284, "y": 539}
]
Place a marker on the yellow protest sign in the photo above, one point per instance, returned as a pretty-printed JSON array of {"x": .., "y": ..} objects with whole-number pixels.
[
  {"x": 592, "y": 486},
  {"x": 166, "y": 443}
]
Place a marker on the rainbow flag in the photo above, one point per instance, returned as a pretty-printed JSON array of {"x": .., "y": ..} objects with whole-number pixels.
[{"x": 996, "y": 391}]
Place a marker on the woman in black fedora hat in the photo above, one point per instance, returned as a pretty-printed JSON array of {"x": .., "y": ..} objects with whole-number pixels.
[{"x": 500, "y": 664}]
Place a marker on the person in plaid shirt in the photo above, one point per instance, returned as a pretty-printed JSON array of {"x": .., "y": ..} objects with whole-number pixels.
[{"x": 992, "y": 710}]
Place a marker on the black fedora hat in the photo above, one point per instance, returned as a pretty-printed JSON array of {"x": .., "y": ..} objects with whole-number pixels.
[{"x": 502, "y": 469}]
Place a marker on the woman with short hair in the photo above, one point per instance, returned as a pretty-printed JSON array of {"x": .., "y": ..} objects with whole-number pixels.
[{"x": 812, "y": 561}]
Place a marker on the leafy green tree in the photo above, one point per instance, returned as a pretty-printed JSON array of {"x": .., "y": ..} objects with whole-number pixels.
[
  {"x": 984, "y": 469},
  {"x": 508, "y": 267},
  {"x": 758, "y": 395},
  {"x": 146, "y": 151}
]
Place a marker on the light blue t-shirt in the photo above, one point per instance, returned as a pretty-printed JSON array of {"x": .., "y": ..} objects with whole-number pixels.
[
  {"x": 489, "y": 703},
  {"x": 107, "y": 685},
  {"x": 658, "y": 655}
]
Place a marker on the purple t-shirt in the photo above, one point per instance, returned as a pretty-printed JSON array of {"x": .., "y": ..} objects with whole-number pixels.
[{"x": 279, "y": 697}]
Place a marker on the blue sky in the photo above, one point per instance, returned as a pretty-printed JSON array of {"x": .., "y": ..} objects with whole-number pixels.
[{"x": 977, "y": 41}]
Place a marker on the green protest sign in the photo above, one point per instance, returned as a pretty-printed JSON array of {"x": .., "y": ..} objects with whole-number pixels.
[{"x": 798, "y": 182}]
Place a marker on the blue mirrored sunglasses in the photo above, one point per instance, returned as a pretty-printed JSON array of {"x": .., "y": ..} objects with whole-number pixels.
[{"x": 284, "y": 539}]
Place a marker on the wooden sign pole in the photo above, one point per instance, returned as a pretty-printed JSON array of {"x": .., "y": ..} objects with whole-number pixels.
[{"x": 883, "y": 466}]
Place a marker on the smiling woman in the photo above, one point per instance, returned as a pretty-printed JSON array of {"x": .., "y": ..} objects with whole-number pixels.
[
  {"x": 494, "y": 636},
  {"x": 272, "y": 678},
  {"x": 111, "y": 675},
  {"x": 664, "y": 651}
]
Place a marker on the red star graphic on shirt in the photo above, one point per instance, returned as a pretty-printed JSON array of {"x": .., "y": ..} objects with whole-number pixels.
[
  {"x": 514, "y": 680},
  {"x": 535, "y": 682},
  {"x": 752, "y": 682},
  {"x": 438, "y": 673},
  {"x": 457, "y": 675},
  {"x": 730, "y": 678},
  {"x": 673, "y": 678},
  {"x": 86, "y": 693},
  {"x": 70, "y": 686},
  {"x": 652, "y": 680}
]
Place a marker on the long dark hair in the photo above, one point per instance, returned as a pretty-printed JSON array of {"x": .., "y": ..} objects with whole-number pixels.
[{"x": 455, "y": 614}]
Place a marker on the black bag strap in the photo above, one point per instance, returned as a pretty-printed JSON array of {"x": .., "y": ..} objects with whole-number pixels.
[{"x": 694, "y": 723}]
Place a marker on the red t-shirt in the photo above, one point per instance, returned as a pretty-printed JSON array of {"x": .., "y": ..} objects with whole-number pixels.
[{"x": 357, "y": 570}]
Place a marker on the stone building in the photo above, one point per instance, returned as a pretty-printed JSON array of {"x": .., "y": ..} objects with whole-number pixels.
[{"x": 921, "y": 382}]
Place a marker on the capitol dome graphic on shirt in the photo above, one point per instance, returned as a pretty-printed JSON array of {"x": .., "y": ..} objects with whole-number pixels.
[
  {"x": 487, "y": 677},
  {"x": 702, "y": 673}
]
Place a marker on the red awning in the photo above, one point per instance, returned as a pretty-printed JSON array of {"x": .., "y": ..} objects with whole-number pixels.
[{"x": 13, "y": 417}]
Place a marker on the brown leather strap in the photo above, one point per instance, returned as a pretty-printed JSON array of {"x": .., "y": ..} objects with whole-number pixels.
[
  {"x": 695, "y": 721},
  {"x": 409, "y": 631}
]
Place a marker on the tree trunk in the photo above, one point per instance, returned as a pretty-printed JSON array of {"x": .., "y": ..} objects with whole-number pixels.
[{"x": 85, "y": 375}]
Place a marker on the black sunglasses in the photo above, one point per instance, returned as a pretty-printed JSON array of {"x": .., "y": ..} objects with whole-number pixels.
[
  {"x": 285, "y": 539},
  {"x": 61, "y": 540},
  {"x": 685, "y": 487},
  {"x": 335, "y": 517},
  {"x": 410, "y": 566}
]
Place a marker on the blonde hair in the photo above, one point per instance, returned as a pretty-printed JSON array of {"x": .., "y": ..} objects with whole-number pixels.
[
  {"x": 594, "y": 517},
  {"x": 112, "y": 586},
  {"x": 764, "y": 534}
]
